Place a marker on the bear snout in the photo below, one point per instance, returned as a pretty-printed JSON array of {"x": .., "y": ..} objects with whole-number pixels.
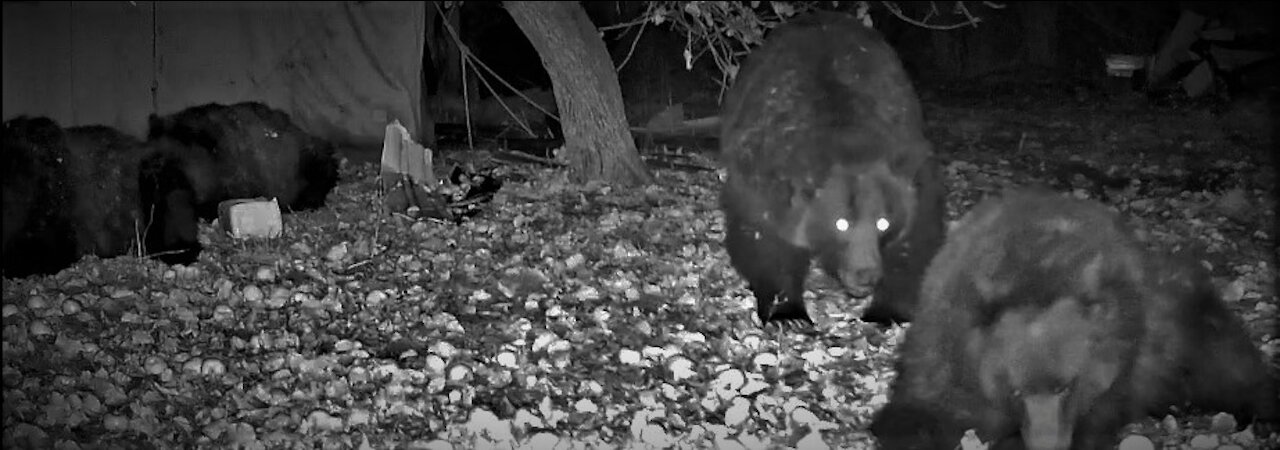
[{"x": 860, "y": 282}]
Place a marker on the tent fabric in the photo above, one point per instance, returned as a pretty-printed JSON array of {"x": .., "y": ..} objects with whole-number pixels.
[{"x": 343, "y": 70}]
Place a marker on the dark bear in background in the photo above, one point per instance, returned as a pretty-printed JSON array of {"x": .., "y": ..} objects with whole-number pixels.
[
  {"x": 1045, "y": 324},
  {"x": 822, "y": 138},
  {"x": 211, "y": 153},
  {"x": 38, "y": 237},
  {"x": 104, "y": 174},
  {"x": 67, "y": 193},
  {"x": 169, "y": 204}
]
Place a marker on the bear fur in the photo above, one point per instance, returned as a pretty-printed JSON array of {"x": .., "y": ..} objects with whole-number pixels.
[
  {"x": 38, "y": 237},
  {"x": 821, "y": 136},
  {"x": 104, "y": 176},
  {"x": 67, "y": 193},
  {"x": 169, "y": 205},
  {"x": 1045, "y": 323},
  {"x": 210, "y": 153}
]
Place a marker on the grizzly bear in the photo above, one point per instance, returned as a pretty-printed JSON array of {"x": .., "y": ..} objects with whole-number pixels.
[
  {"x": 38, "y": 235},
  {"x": 821, "y": 136},
  {"x": 1046, "y": 323},
  {"x": 68, "y": 193},
  {"x": 210, "y": 153},
  {"x": 104, "y": 179}
]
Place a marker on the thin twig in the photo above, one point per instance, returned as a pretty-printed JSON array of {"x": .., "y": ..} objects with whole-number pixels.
[
  {"x": 466, "y": 93},
  {"x": 169, "y": 252},
  {"x": 476, "y": 60},
  {"x": 970, "y": 20},
  {"x": 641, "y": 21},
  {"x": 632, "y": 50}
]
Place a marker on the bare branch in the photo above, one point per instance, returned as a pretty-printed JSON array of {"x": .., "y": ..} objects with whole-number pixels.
[
  {"x": 896, "y": 10},
  {"x": 478, "y": 63},
  {"x": 641, "y": 21},
  {"x": 632, "y": 50},
  {"x": 727, "y": 31}
]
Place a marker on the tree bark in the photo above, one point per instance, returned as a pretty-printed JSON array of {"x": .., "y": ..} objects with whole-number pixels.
[{"x": 596, "y": 136}]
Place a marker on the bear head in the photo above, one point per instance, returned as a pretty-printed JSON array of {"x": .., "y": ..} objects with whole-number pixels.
[
  {"x": 845, "y": 221},
  {"x": 1043, "y": 369}
]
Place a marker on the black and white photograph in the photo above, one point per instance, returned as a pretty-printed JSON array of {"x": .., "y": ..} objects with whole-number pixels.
[{"x": 562, "y": 225}]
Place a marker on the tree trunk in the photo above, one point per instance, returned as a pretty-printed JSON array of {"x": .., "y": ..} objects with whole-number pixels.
[{"x": 596, "y": 136}]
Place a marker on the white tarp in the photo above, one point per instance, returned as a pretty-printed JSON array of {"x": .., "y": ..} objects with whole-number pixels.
[{"x": 343, "y": 70}]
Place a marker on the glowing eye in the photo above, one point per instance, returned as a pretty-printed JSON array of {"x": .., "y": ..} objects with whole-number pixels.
[
  {"x": 882, "y": 224},
  {"x": 842, "y": 225}
]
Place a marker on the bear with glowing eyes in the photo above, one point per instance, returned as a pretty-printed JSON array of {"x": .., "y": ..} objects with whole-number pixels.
[
  {"x": 821, "y": 136},
  {"x": 1044, "y": 323}
]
